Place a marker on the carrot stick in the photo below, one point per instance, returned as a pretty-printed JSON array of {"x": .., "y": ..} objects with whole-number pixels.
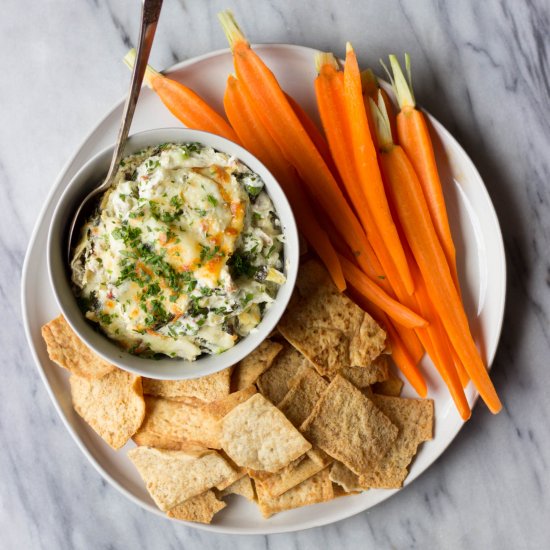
[
  {"x": 414, "y": 216},
  {"x": 438, "y": 346},
  {"x": 255, "y": 138},
  {"x": 367, "y": 167},
  {"x": 414, "y": 137},
  {"x": 377, "y": 296},
  {"x": 314, "y": 134},
  {"x": 462, "y": 374},
  {"x": 184, "y": 103},
  {"x": 263, "y": 90},
  {"x": 329, "y": 89}
]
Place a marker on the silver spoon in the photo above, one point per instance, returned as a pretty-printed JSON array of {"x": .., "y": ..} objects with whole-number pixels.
[{"x": 149, "y": 18}]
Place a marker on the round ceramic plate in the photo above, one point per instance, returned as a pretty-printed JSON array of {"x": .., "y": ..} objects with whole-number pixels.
[{"x": 480, "y": 255}]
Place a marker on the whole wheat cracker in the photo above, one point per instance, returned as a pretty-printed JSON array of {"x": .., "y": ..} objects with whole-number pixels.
[
  {"x": 349, "y": 427},
  {"x": 315, "y": 489},
  {"x": 246, "y": 372},
  {"x": 327, "y": 327},
  {"x": 200, "y": 508},
  {"x": 304, "y": 392},
  {"x": 172, "y": 477},
  {"x": 67, "y": 350},
  {"x": 112, "y": 405},
  {"x": 278, "y": 483},
  {"x": 273, "y": 383},
  {"x": 414, "y": 419},
  {"x": 258, "y": 436},
  {"x": 206, "y": 388},
  {"x": 242, "y": 487}
]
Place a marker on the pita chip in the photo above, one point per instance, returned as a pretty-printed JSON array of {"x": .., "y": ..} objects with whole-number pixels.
[
  {"x": 349, "y": 427},
  {"x": 247, "y": 371},
  {"x": 112, "y": 405},
  {"x": 258, "y": 436},
  {"x": 317, "y": 488},
  {"x": 67, "y": 350},
  {"x": 327, "y": 327},
  {"x": 172, "y": 477}
]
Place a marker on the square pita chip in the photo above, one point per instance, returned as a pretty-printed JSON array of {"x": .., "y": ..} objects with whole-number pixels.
[
  {"x": 349, "y": 427},
  {"x": 174, "y": 424},
  {"x": 172, "y": 477},
  {"x": 258, "y": 436},
  {"x": 363, "y": 377},
  {"x": 391, "y": 387},
  {"x": 327, "y": 327},
  {"x": 200, "y": 509},
  {"x": 112, "y": 405},
  {"x": 207, "y": 388},
  {"x": 317, "y": 488},
  {"x": 273, "y": 383},
  {"x": 304, "y": 392},
  {"x": 67, "y": 350},
  {"x": 290, "y": 476},
  {"x": 414, "y": 419},
  {"x": 247, "y": 371},
  {"x": 168, "y": 422}
]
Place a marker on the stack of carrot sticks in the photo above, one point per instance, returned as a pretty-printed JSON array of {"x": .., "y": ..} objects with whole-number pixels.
[{"x": 369, "y": 198}]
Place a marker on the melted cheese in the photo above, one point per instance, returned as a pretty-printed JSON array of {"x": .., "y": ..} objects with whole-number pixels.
[{"x": 153, "y": 264}]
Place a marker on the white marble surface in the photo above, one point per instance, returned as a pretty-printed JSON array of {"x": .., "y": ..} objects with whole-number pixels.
[{"x": 481, "y": 67}]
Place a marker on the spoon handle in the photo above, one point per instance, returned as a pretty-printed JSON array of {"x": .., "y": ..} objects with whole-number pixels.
[{"x": 149, "y": 18}]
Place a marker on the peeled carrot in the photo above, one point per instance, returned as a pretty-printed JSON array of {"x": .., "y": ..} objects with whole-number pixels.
[
  {"x": 414, "y": 216},
  {"x": 329, "y": 89},
  {"x": 367, "y": 167},
  {"x": 439, "y": 347},
  {"x": 255, "y": 138},
  {"x": 314, "y": 133},
  {"x": 377, "y": 296},
  {"x": 263, "y": 90},
  {"x": 462, "y": 374},
  {"x": 184, "y": 103},
  {"x": 414, "y": 137}
]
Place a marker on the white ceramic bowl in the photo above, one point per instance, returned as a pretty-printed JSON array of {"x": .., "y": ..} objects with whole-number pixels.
[{"x": 168, "y": 369}]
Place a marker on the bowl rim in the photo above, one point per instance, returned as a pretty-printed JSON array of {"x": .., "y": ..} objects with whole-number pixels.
[{"x": 166, "y": 368}]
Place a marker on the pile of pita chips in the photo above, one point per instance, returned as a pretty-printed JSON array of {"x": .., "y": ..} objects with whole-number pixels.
[{"x": 312, "y": 414}]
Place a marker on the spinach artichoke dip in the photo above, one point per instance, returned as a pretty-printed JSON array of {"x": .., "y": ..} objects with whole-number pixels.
[{"x": 183, "y": 255}]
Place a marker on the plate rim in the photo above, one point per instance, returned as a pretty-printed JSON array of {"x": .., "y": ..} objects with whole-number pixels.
[{"x": 268, "y": 529}]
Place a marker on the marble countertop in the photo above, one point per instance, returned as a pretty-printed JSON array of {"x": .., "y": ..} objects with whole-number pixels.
[{"x": 482, "y": 68}]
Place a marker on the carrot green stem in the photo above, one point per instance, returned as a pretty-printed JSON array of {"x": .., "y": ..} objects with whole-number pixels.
[
  {"x": 381, "y": 123},
  {"x": 130, "y": 59},
  {"x": 326, "y": 58},
  {"x": 403, "y": 89},
  {"x": 231, "y": 28}
]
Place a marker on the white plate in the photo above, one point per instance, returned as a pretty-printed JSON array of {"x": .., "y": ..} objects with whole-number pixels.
[{"x": 480, "y": 253}]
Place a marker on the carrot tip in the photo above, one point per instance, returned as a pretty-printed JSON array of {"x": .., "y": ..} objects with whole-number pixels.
[{"x": 349, "y": 48}]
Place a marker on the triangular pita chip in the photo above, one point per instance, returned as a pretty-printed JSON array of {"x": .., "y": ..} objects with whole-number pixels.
[
  {"x": 67, "y": 350},
  {"x": 112, "y": 405}
]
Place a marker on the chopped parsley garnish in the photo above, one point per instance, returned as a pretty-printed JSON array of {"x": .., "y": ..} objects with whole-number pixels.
[
  {"x": 208, "y": 253},
  {"x": 212, "y": 200}
]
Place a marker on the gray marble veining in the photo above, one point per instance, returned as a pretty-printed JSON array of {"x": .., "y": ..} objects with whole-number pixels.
[{"x": 482, "y": 68}]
